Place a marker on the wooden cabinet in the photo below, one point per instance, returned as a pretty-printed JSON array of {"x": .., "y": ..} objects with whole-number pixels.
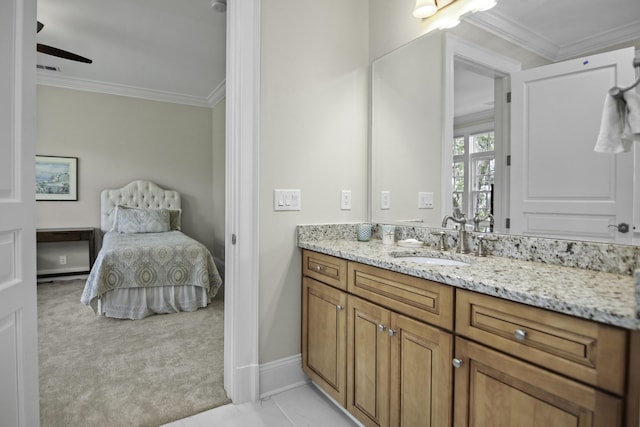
[
  {"x": 398, "y": 366},
  {"x": 493, "y": 389},
  {"x": 368, "y": 362},
  {"x": 421, "y": 374},
  {"x": 387, "y": 356},
  {"x": 551, "y": 369},
  {"x": 324, "y": 335},
  {"x": 398, "y": 369}
]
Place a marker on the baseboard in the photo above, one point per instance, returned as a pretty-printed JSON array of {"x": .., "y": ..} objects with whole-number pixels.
[
  {"x": 79, "y": 276},
  {"x": 244, "y": 384},
  {"x": 281, "y": 375}
]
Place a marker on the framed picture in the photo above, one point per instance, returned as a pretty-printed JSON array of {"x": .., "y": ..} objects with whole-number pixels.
[{"x": 56, "y": 178}]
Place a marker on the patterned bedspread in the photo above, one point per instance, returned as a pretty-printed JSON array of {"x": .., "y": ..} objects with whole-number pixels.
[{"x": 150, "y": 259}]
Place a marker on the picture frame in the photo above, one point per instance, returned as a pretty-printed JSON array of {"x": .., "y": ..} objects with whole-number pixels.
[{"x": 56, "y": 178}]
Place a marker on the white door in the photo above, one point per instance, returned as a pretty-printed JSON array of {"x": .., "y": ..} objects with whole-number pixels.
[
  {"x": 19, "y": 402},
  {"x": 559, "y": 186}
]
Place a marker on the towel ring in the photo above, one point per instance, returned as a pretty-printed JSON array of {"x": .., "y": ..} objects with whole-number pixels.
[{"x": 617, "y": 92}]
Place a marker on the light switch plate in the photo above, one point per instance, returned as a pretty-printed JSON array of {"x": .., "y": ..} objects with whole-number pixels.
[
  {"x": 345, "y": 200},
  {"x": 287, "y": 200}
]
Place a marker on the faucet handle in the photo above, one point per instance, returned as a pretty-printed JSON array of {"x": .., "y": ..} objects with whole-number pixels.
[
  {"x": 480, "y": 249},
  {"x": 442, "y": 244}
]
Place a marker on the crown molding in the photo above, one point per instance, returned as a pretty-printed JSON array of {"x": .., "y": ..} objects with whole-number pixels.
[
  {"x": 514, "y": 33},
  {"x": 527, "y": 39},
  {"x": 47, "y": 79},
  {"x": 218, "y": 94}
]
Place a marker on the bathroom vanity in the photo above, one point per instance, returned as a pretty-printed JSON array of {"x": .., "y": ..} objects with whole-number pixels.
[{"x": 492, "y": 342}]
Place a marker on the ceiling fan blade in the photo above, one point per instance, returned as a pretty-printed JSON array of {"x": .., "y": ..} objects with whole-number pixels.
[
  {"x": 54, "y": 51},
  {"x": 40, "y": 27}
]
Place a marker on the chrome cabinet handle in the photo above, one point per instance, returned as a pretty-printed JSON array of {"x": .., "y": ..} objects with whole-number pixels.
[
  {"x": 520, "y": 334},
  {"x": 382, "y": 328},
  {"x": 339, "y": 307},
  {"x": 391, "y": 332},
  {"x": 457, "y": 363}
]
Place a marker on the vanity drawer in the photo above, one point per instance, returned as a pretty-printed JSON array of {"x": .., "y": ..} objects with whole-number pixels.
[
  {"x": 325, "y": 268},
  {"x": 568, "y": 345},
  {"x": 421, "y": 299}
]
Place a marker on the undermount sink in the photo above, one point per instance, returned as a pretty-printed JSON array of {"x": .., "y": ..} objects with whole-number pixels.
[{"x": 431, "y": 260}]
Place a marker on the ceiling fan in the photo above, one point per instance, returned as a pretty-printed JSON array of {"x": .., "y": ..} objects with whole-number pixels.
[{"x": 54, "y": 51}]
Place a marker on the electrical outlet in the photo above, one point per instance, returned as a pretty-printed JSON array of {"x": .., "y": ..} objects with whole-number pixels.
[
  {"x": 345, "y": 200},
  {"x": 63, "y": 260},
  {"x": 425, "y": 200}
]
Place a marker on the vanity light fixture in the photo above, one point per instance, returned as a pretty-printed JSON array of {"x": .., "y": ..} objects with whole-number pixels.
[
  {"x": 425, "y": 8},
  {"x": 447, "y": 13}
]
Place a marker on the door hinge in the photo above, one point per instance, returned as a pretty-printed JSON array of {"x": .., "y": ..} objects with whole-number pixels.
[
  {"x": 507, "y": 223},
  {"x": 233, "y": 239},
  {"x": 509, "y": 160},
  {"x": 508, "y": 97}
]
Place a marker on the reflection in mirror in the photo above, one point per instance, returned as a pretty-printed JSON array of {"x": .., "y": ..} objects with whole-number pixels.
[{"x": 414, "y": 133}]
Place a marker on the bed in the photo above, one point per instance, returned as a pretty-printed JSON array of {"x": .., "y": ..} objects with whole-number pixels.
[{"x": 146, "y": 264}]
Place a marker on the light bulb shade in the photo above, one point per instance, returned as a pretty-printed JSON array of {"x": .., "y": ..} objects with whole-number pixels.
[{"x": 425, "y": 8}]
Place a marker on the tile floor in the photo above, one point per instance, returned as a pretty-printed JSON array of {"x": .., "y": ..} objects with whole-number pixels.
[{"x": 303, "y": 406}]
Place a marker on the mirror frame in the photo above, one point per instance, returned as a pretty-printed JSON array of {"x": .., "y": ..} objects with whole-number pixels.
[{"x": 461, "y": 48}]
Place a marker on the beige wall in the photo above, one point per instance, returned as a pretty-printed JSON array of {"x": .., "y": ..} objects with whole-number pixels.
[
  {"x": 314, "y": 90},
  {"x": 119, "y": 139}
]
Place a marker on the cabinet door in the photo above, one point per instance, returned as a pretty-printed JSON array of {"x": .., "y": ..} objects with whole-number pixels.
[
  {"x": 496, "y": 390},
  {"x": 368, "y": 366},
  {"x": 324, "y": 337},
  {"x": 421, "y": 374}
]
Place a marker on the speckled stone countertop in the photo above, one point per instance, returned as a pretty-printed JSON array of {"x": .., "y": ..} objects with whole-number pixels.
[{"x": 601, "y": 296}]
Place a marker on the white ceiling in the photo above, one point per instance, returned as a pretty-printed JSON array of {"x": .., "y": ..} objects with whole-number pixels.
[
  {"x": 156, "y": 49},
  {"x": 174, "y": 50}
]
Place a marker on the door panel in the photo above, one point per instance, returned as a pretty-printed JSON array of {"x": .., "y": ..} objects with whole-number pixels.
[
  {"x": 421, "y": 377},
  {"x": 324, "y": 323},
  {"x": 559, "y": 186},
  {"x": 19, "y": 400},
  {"x": 496, "y": 390},
  {"x": 368, "y": 369}
]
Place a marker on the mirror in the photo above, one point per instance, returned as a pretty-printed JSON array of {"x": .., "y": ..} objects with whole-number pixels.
[{"x": 409, "y": 184}]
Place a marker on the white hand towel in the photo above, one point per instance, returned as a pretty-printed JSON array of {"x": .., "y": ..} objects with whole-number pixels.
[
  {"x": 632, "y": 119},
  {"x": 610, "y": 139}
]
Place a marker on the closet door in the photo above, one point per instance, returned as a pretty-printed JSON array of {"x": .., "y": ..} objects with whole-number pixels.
[{"x": 559, "y": 186}]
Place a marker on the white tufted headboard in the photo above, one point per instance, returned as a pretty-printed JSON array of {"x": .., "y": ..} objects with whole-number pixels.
[{"x": 138, "y": 194}]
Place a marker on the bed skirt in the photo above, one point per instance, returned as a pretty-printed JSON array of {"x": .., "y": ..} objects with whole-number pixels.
[{"x": 138, "y": 303}]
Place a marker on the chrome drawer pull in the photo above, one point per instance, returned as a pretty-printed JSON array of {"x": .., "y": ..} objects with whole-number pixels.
[
  {"x": 457, "y": 363},
  {"x": 382, "y": 328},
  {"x": 339, "y": 307},
  {"x": 319, "y": 268},
  {"x": 391, "y": 332},
  {"x": 520, "y": 334}
]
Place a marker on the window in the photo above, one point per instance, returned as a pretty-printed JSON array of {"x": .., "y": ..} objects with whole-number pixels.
[{"x": 473, "y": 172}]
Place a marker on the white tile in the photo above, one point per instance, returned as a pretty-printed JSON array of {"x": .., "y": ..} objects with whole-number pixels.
[
  {"x": 303, "y": 406},
  {"x": 306, "y": 406},
  {"x": 258, "y": 414}
]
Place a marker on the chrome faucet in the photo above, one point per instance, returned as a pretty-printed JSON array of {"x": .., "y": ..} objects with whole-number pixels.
[
  {"x": 477, "y": 219},
  {"x": 463, "y": 247}
]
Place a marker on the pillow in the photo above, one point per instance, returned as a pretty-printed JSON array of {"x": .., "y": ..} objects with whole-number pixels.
[
  {"x": 137, "y": 220},
  {"x": 175, "y": 219}
]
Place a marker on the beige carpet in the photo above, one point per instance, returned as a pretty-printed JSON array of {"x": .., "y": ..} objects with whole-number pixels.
[{"x": 96, "y": 371}]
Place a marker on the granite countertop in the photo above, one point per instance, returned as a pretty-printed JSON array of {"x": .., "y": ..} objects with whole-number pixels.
[{"x": 604, "y": 297}]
